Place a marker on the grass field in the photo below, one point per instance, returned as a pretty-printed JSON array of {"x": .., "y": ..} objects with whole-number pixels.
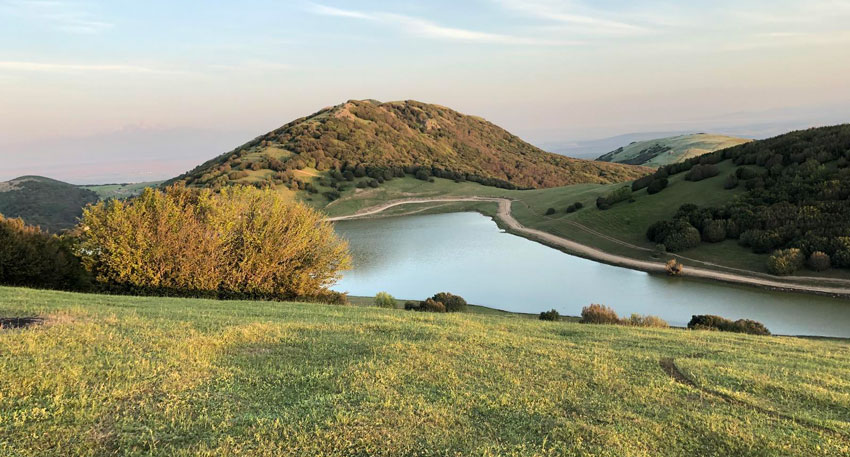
[
  {"x": 108, "y": 375},
  {"x": 120, "y": 191}
]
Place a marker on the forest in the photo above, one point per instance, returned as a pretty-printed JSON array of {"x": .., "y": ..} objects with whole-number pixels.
[{"x": 794, "y": 206}]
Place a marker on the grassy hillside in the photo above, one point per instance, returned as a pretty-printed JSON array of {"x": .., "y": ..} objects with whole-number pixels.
[
  {"x": 120, "y": 191},
  {"x": 53, "y": 205},
  {"x": 155, "y": 376},
  {"x": 343, "y": 145},
  {"x": 664, "y": 151}
]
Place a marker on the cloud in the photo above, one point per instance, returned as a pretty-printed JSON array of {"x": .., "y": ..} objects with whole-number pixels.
[
  {"x": 46, "y": 67},
  {"x": 64, "y": 16},
  {"x": 557, "y": 13},
  {"x": 429, "y": 29}
]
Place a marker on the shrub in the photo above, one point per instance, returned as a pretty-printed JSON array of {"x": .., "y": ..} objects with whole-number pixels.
[
  {"x": 606, "y": 201},
  {"x": 673, "y": 267},
  {"x": 636, "y": 320},
  {"x": 785, "y": 261},
  {"x": 384, "y": 300},
  {"x": 240, "y": 242},
  {"x": 551, "y": 315},
  {"x": 700, "y": 172},
  {"x": 550, "y": 211},
  {"x": 712, "y": 322},
  {"x": 31, "y": 257},
  {"x": 598, "y": 314},
  {"x": 656, "y": 186},
  {"x": 453, "y": 303},
  {"x": 432, "y": 306},
  {"x": 731, "y": 182},
  {"x": 411, "y": 305},
  {"x": 819, "y": 261},
  {"x": 575, "y": 207},
  {"x": 714, "y": 231}
]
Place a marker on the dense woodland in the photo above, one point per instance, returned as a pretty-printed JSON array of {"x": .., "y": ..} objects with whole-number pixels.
[
  {"x": 795, "y": 202},
  {"x": 388, "y": 140},
  {"x": 52, "y": 205}
]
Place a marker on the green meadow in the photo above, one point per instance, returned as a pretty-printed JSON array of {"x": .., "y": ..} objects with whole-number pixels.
[{"x": 118, "y": 375}]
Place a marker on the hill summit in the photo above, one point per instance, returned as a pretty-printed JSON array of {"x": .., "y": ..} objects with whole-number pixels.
[{"x": 367, "y": 137}]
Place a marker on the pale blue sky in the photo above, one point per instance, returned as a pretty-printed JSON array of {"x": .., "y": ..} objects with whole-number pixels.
[{"x": 208, "y": 75}]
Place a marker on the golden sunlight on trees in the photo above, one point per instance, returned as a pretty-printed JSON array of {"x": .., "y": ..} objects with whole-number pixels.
[{"x": 240, "y": 242}]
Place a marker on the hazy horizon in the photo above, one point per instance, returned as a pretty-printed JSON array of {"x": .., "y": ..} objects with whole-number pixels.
[{"x": 106, "y": 91}]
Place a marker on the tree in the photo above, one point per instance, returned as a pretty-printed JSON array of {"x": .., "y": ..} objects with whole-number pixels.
[
  {"x": 384, "y": 300},
  {"x": 656, "y": 186},
  {"x": 785, "y": 261},
  {"x": 819, "y": 261},
  {"x": 240, "y": 242},
  {"x": 453, "y": 303},
  {"x": 551, "y": 315},
  {"x": 673, "y": 267}
]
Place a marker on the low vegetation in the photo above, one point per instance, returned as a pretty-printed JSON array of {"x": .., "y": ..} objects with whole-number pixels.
[
  {"x": 711, "y": 322},
  {"x": 121, "y": 375},
  {"x": 385, "y": 300},
  {"x": 601, "y": 314},
  {"x": 443, "y": 302},
  {"x": 551, "y": 315}
]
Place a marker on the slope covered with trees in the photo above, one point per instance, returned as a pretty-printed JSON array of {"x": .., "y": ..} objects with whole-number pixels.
[
  {"x": 53, "y": 205},
  {"x": 796, "y": 203},
  {"x": 381, "y": 141}
]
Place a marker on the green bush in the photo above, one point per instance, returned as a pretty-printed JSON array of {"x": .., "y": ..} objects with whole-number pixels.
[
  {"x": 384, "y": 300},
  {"x": 714, "y": 231},
  {"x": 785, "y": 261},
  {"x": 656, "y": 186},
  {"x": 31, "y": 257},
  {"x": 598, "y": 314},
  {"x": 575, "y": 207},
  {"x": 453, "y": 303},
  {"x": 551, "y": 315},
  {"x": 606, "y": 201},
  {"x": 712, "y": 322},
  {"x": 550, "y": 211}
]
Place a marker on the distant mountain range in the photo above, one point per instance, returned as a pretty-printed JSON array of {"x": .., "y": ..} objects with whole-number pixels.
[{"x": 664, "y": 151}]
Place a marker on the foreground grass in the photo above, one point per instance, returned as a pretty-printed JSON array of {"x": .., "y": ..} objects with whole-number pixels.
[{"x": 111, "y": 375}]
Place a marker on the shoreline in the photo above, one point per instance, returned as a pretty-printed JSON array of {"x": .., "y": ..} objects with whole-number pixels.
[{"x": 505, "y": 220}]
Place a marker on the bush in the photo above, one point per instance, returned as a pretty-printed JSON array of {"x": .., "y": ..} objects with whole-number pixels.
[
  {"x": 598, "y": 314},
  {"x": 712, "y": 322},
  {"x": 700, "y": 172},
  {"x": 606, "y": 201},
  {"x": 676, "y": 236},
  {"x": 785, "y": 261},
  {"x": 432, "y": 306},
  {"x": 673, "y": 267},
  {"x": 575, "y": 207},
  {"x": 240, "y": 242},
  {"x": 453, "y": 303},
  {"x": 731, "y": 182},
  {"x": 384, "y": 300},
  {"x": 819, "y": 261},
  {"x": 656, "y": 186},
  {"x": 550, "y": 211},
  {"x": 31, "y": 257},
  {"x": 714, "y": 231},
  {"x": 551, "y": 315},
  {"x": 636, "y": 320}
]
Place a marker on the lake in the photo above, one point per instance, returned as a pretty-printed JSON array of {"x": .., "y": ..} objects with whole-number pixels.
[{"x": 413, "y": 257}]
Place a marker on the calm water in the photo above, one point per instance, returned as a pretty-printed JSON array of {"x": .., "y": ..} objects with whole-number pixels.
[{"x": 414, "y": 257}]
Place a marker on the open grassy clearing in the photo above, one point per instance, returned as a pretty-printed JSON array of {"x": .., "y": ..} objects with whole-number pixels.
[
  {"x": 109, "y": 375},
  {"x": 120, "y": 191}
]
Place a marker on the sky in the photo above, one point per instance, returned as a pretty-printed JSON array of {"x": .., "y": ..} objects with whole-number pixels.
[{"x": 113, "y": 91}]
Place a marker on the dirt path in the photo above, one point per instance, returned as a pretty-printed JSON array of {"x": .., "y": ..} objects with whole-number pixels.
[{"x": 505, "y": 216}]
